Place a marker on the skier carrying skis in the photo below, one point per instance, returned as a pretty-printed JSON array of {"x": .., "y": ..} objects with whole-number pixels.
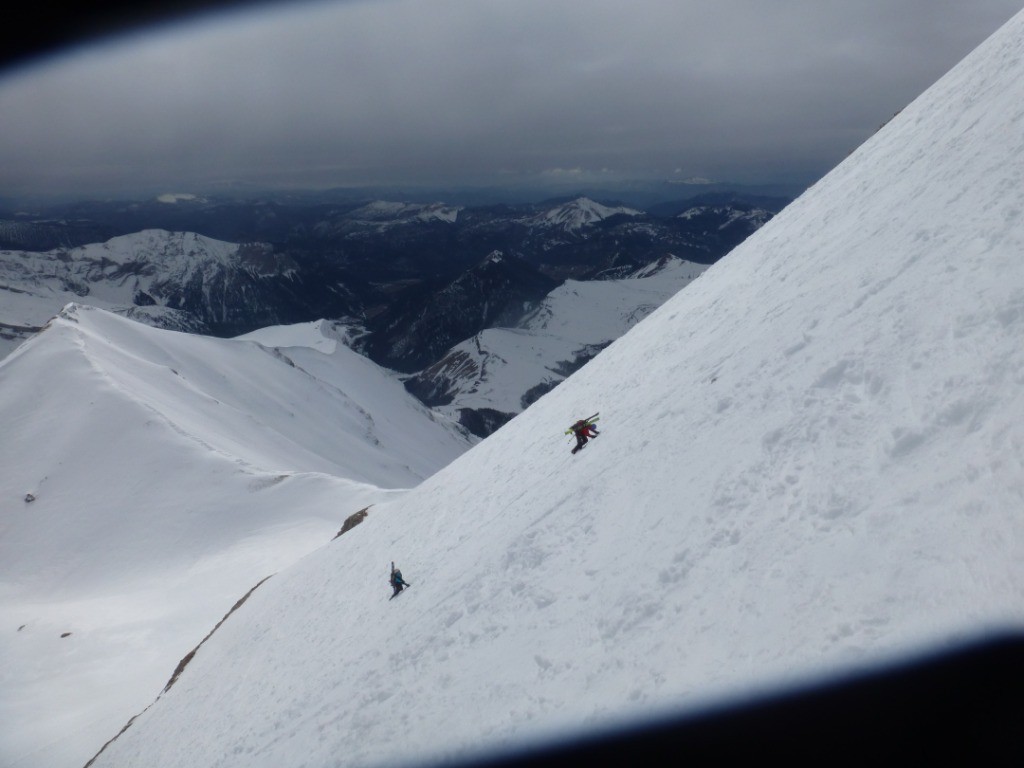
[
  {"x": 583, "y": 430},
  {"x": 397, "y": 582}
]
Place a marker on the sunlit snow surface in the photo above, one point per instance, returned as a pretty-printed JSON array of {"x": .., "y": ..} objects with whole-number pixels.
[
  {"x": 810, "y": 460},
  {"x": 168, "y": 474}
]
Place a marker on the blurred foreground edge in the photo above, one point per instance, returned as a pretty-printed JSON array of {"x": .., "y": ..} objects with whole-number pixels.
[
  {"x": 962, "y": 707},
  {"x": 45, "y": 27}
]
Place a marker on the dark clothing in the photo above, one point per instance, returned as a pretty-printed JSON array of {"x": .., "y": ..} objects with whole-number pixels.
[{"x": 397, "y": 582}]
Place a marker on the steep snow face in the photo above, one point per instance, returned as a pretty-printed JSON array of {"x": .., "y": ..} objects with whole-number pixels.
[
  {"x": 809, "y": 460},
  {"x": 150, "y": 479}
]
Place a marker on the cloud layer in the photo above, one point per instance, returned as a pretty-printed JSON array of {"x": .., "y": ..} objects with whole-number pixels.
[{"x": 444, "y": 91}]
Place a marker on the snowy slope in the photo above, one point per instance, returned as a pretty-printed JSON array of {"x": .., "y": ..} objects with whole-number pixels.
[
  {"x": 810, "y": 461},
  {"x": 169, "y": 474}
]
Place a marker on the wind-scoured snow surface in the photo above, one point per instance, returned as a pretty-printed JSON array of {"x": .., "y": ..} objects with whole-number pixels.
[
  {"x": 168, "y": 474},
  {"x": 811, "y": 460}
]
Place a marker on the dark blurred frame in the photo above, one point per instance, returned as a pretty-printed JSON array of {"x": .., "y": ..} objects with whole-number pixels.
[{"x": 961, "y": 707}]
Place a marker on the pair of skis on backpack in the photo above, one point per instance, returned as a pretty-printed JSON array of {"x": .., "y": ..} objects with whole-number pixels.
[{"x": 588, "y": 421}]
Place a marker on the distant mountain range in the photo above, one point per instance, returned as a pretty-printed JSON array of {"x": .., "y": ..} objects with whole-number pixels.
[{"x": 411, "y": 281}]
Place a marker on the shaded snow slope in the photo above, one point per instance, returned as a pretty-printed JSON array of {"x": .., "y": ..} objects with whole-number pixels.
[
  {"x": 810, "y": 460},
  {"x": 168, "y": 473}
]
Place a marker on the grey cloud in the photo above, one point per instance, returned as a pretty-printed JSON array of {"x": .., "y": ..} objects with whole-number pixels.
[{"x": 443, "y": 90}]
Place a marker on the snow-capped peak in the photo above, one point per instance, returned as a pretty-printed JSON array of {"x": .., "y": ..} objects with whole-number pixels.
[{"x": 580, "y": 213}]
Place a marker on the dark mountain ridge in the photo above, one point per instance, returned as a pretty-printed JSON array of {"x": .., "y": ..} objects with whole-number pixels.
[{"x": 418, "y": 277}]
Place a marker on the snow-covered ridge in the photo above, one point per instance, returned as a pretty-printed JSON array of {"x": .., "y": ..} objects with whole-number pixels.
[
  {"x": 155, "y": 273},
  {"x": 580, "y": 213},
  {"x": 757, "y": 216},
  {"x": 173, "y": 251},
  {"x": 396, "y": 212},
  {"x": 320, "y": 335},
  {"x": 153, "y": 250},
  {"x": 150, "y": 479}
]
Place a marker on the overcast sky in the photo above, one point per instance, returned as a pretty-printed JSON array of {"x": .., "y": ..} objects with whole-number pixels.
[{"x": 480, "y": 91}]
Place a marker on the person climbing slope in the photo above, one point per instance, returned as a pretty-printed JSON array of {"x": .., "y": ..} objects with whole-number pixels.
[
  {"x": 397, "y": 582},
  {"x": 584, "y": 429}
]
